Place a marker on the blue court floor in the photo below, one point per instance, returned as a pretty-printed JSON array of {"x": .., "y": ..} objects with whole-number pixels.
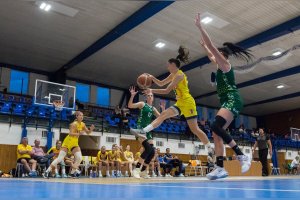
[{"x": 202, "y": 189}]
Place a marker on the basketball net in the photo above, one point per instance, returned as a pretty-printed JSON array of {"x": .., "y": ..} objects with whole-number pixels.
[{"x": 58, "y": 105}]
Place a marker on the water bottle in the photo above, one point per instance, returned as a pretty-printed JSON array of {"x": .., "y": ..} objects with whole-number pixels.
[
  {"x": 23, "y": 175},
  {"x": 94, "y": 174},
  {"x": 91, "y": 174}
]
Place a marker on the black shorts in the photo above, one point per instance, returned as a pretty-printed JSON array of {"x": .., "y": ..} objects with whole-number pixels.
[{"x": 27, "y": 159}]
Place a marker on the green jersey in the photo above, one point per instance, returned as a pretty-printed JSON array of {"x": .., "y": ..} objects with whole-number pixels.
[
  {"x": 228, "y": 93},
  {"x": 145, "y": 118},
  {"x": 225, "y": 83}
]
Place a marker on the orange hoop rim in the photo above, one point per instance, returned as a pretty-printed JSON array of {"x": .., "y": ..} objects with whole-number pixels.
[{"x": 58, "y": 104}]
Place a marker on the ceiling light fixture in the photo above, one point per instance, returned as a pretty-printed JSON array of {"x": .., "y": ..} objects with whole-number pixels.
[
  {"x": 277, "y": 53},
  {"x": 160, "y": 45},
  {"x": 280, "y": 86},
  {"x": 206, "y": 20},
  {"x": 44, "y": 6}
]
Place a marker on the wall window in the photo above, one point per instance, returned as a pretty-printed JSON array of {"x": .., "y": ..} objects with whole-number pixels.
[
  {"x": 83, "y": 92},
  {"x": 19, "y": 82},
  {"x": 103, "y": 96}
]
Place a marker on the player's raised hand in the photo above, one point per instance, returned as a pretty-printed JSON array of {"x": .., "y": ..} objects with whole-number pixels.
[
  {"x": 198, "y": 20},
  {"x": 132, "y": 91}
]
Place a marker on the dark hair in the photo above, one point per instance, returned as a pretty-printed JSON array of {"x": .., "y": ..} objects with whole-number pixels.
[
  {"x": 183, "y": 56},
  {"x": 230, "y": 49}
]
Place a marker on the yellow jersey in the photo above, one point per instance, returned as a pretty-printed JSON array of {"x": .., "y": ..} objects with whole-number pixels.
[
  {"x": 79, "y": 126},
  {"x": 113, "y": 155},
  {"x": 182, "y": 90},
  {"x": 137, "y": 156},
  {"x": 128, "y": 154},
  {"x": 119, "y": 156},
  {"x": 23, "y": 148},
  {"x": 102, "y": 156},
  {"x": 54, "y": 150}
]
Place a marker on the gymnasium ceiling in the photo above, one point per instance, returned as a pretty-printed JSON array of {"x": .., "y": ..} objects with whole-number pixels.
[{"x": 125, "y": 47}]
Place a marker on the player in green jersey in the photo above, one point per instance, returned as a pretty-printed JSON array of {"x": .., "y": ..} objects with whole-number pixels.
[
  {"x": 230, "y": 99},
  {"x": 147, "y": 112}
]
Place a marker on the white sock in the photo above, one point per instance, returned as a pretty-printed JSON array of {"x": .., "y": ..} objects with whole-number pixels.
[
  {"x": 100, "y": 173},
  {"x": 107, "y": 172},
  {"x": 63, "y": 170},
  {"x": 148, "y": 128},
  {"x": 56, "y": 171}
]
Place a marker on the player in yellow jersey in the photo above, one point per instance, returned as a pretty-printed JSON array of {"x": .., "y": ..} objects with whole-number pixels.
[
  {"x": 102, "y": 160},
  {"x": 70, "y": 143},
  {"x": 185, "y": 104}
]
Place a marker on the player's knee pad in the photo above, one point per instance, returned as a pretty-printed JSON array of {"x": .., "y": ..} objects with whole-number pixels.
[
  {"x": 217, "y": 128},
  {"x": 60, "y": 158},
  {"x": 150, "y": 156}
]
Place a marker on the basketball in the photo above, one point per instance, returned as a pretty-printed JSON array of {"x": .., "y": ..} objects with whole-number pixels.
[{"x": 144, "y": 81}]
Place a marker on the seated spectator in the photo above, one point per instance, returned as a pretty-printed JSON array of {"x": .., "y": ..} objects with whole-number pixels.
[
  {"x": 138, "y": 155},
  {"x": 155, "y": 166},
  {"x": 211, "y": 160},
  {"x": 24, "y": 152},
  {"x": 102, "y": 160},
  {"x": 295, "y": 164},
  {"x": 69, "y": 161},
  {"x": 114, "y": 161},
  {"x": 79, "y": 106},
  {"x": 122, "y": 161},
  {"x": 128, "y": 155},
  {"x": 39, "y": 155},
  {"x": 163, "y": 164},
  {"x": 54, "y": 151},
  {"x": 173, "y": 162}
]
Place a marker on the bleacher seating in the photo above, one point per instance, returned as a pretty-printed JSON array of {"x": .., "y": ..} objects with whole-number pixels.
[{"x": 18, "y": 105}]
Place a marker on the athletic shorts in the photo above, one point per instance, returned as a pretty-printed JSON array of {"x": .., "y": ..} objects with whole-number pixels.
[
  {"x": 186, "y": 107},
  {"x": 70, "y": 142},
  {"x": 232, "y": 102}
]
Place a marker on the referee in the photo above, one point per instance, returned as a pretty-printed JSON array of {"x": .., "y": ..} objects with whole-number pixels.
[{"x": 263, "y": 143}]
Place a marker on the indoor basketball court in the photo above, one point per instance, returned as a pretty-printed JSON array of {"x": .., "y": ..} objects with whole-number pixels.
[{"x": 149, "y": 99}]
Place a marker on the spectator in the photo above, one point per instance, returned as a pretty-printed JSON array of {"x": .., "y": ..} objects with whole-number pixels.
[
  {"x": 173, "y": 162},
  {"x": 211, "y": 160},
  {"x": 79, "y": 106},
  {"x": 102, "y": 160},
  {"x": 24, "y": 152},
  {"x": 263, "y": 143},
  {"x": 122, "y": 161},
  {"x": 113, "y": 159},
  {"x": 54, "y": 151},
  {"x": 39, "y": 155},
  {"x": 233, "y": 157},
  {"x": 124, "y": 119},
  {"x": 295, "y": 164},
  {"x": 128, "y": 155},
  {"x": 163, "y": 164},
  {"x": 138, "y": 155},
  {"x": 155, "y": 164},
  {"x": 69, "y": 161}
]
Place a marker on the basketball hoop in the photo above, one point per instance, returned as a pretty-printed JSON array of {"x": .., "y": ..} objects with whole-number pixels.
[{"x": 58, "y": 105}]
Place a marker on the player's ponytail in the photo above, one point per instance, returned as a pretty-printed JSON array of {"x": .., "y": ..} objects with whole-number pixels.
[
  {"x": 238, "y": 52},
  {"x": 183, "y": 56}
]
